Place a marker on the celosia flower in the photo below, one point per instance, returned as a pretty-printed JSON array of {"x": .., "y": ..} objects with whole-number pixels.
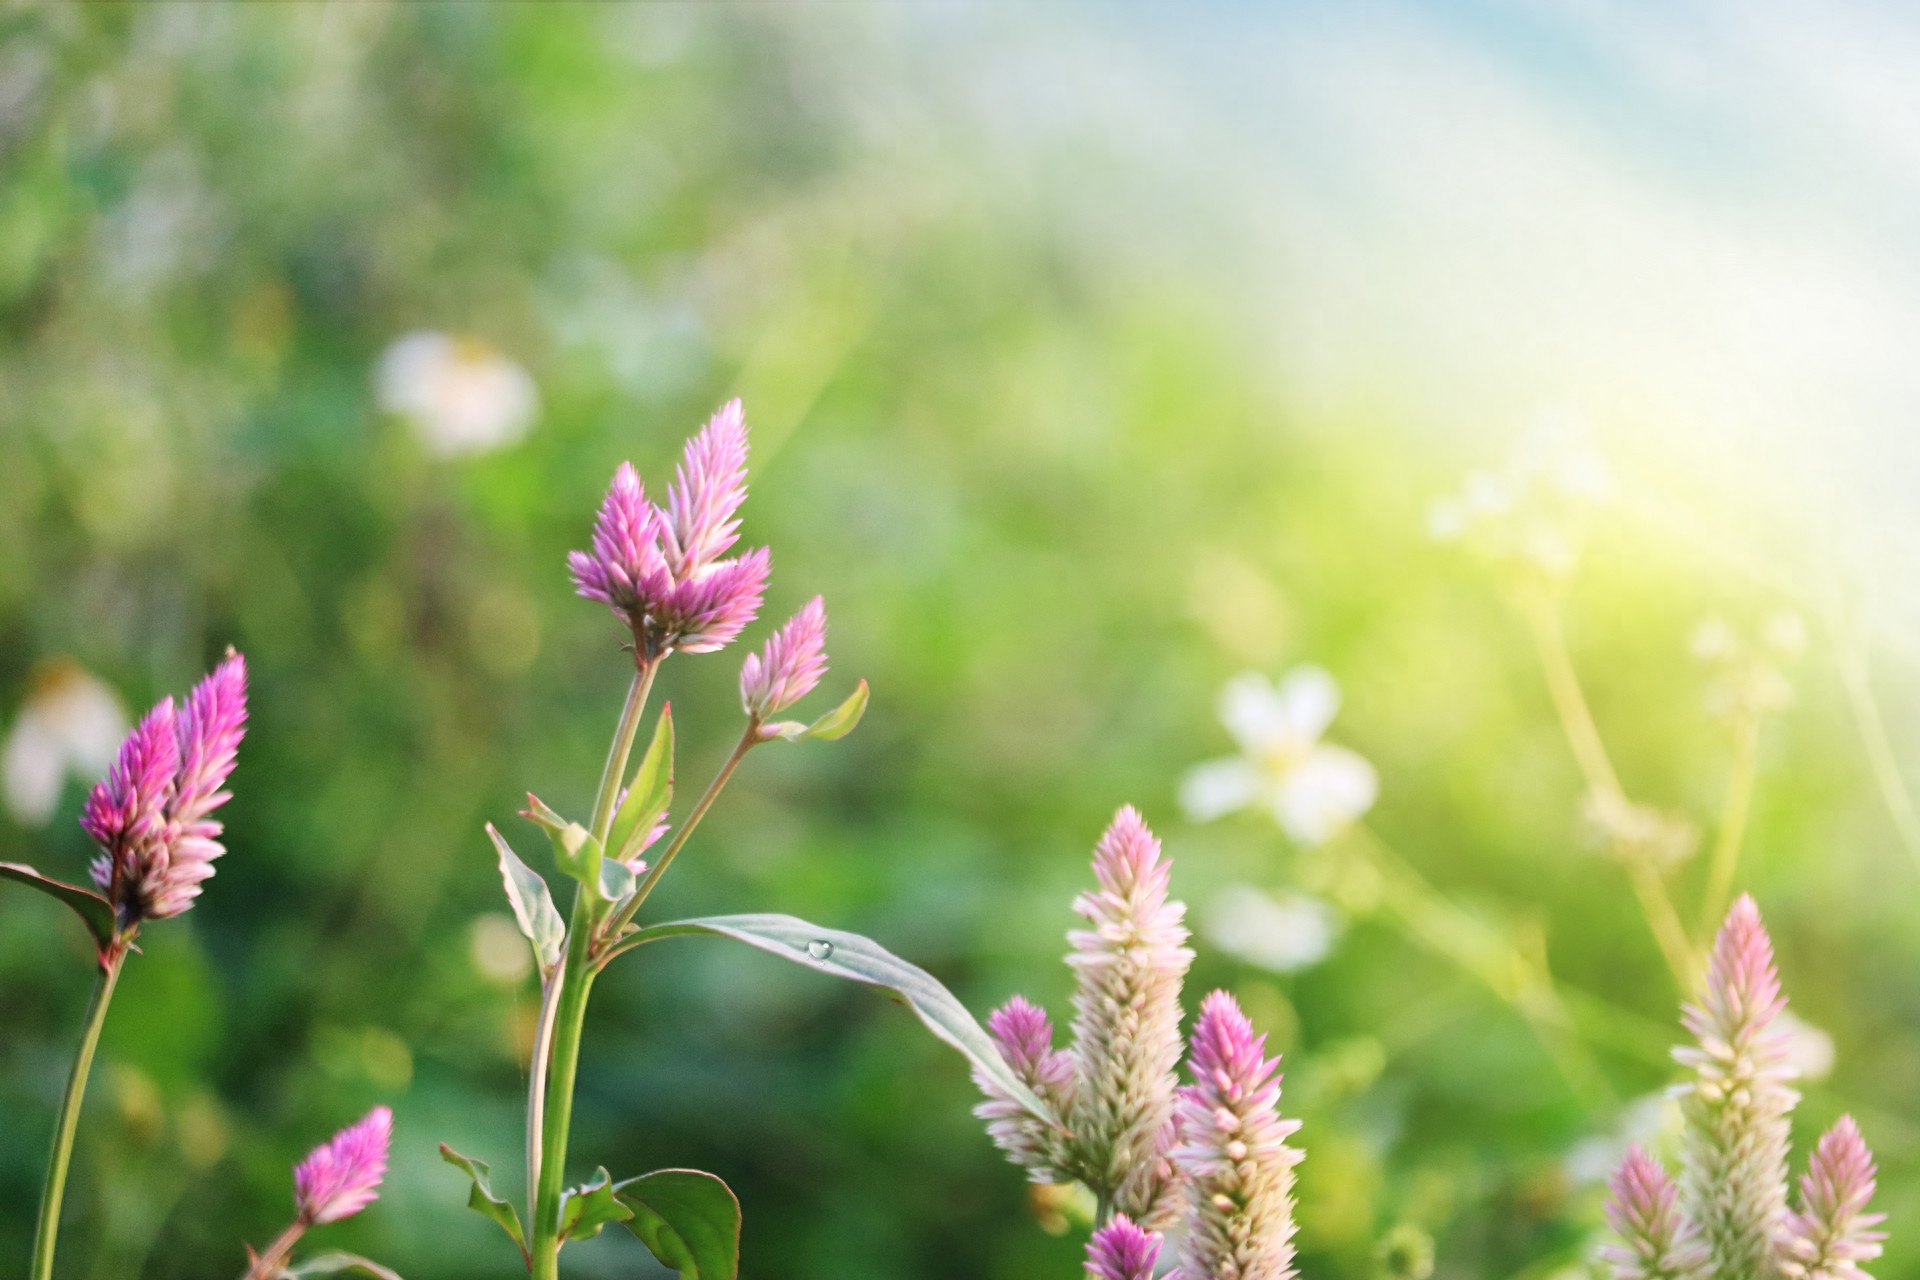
[
  {"x": 1233, "y": 1153},
  {"x": 1024, "y": 1035},
  {"x": 151, "y": 815},
  {"x": 1734, "y": 1163},
  {"x": 341, "y": 1176},
  {"x": 1126, "y": 1023},
  {"x": 1122, "y": 1251},
  {"x": 791, "y": 664},
  {"x": 1311, "y": 788},
  {"x": 1832, "y": 1233},
  {"x": 1656, "y": 1241},
  {"x": 657, "y": 571}
]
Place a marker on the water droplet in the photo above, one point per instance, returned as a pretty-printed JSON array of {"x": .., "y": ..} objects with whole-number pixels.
[{"x": 819, "y": 948}]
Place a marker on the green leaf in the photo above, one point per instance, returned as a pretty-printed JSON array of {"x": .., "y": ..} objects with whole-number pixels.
[
  {"x": 331, "y": 1264},
  {"x": 585, "y": 1209},
  {"x": 532, "y": 904},
  {"x": 848, "y": 955},
  {"x": 95, "y": 911},
  {"x": 575, "y": 851},
  {"x": 837, "y": 723},
  {"x": 616, "y": 880},
  {"x": 689, "y": 1219},
  {"x": 652, "y": 791},
  {"x": 482, "y": 1200}
]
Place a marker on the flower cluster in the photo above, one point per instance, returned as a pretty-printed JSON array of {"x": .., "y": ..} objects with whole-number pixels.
[
  {"x": 152, "y": 814},
  {"x": 660, "y": 570},
  {"x": 341, "y": 1176},
  {"x": 1728, "y": 1218},
  {"x": 1121, "y": 1250}
]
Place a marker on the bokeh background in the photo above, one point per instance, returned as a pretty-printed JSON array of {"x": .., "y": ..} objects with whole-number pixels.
[{"x": 1093, "y": 355}]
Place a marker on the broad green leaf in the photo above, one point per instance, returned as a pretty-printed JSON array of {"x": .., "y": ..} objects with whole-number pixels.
[
  {"x": 837, "y": 723},
  {"x": 575, "y": 851},
  {"x": 616, "y": 880},
  {"x": 689, "y": 1219},
  {"x": 94, "y": 911},
  {"x": 585, "y": 1209},
  {"x": 482, "y": 1200},
  {"x": 649, "y": 795},
  {"x": 848, "y": 955},
  {"x": 532, "y": 904},
  {"x": 332, "y": 1264}
]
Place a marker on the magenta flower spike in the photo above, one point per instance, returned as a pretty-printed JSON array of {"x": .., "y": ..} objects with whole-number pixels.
[
  {"x": 341, "y": 1176},
  {"x": 151, "y": 815},
  {"x": 1733, "y": 1182},
  {"x": 1656, "y": 1240},
  {"x": 1233, "y": 1152},
  {"x": 659, "y": 571},
  {"x": 1832, "y": 1234},
  {"x": 1024, "y": 1035},
  {"x": 1121, "y": 1250},
  {"x": 789, "y": 666},
  {"x": 1126, "y": 1025}
]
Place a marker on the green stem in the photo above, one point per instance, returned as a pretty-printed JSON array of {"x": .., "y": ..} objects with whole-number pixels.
[
  {"x": 268, "y": 1264},
  {"x": 550, "y": 987},
  {"x": 748, "y": 741},
  {"x": 1873, "y": 735},
  {"x": 1733, "y": 823},
  {"x": 48, "y": 1227},
  {"x": 558, "y": 1072}
]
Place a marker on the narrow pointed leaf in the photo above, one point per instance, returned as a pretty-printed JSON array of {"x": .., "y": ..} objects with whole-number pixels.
[
  {"x": 616, "y": 880},
  {"x": 585, "y": 1209},
  {"x": 848, "y": 955},
  {"x": 482, "y": 1200},
  {"x": 95, "y": 911},
  {"x": 532, "y": 904},
  {"x": 649, "y": 795},
  {"x": 688, "y": 1219},
  {"x": 575, "y": 851},
  {"x": 332, "y": 1264},
  {"x": 839, "y": 722}
]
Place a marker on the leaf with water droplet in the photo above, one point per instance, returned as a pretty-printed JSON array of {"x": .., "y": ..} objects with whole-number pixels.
[{"x": 848, "y": 955}]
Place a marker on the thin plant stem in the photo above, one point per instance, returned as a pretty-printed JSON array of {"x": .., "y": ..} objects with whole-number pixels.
[
  {"x": 748, "y": 740},
  {"x": 47, "y": 1230},
  {"x": 1733, "y": 822},
  {"x": 1873, "y": 736},
  {"x": 553, "y": 1079},
  {"x": 550, "y": 988},
  {"x": 1102, "y": 1209},
  {"x": 1590, "y": 753},
  {"x": 270, "y": 1261}
]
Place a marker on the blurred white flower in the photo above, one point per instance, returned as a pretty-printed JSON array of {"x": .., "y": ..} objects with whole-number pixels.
[
  {"x": 1809, "y": 1049},
  {"x": 1652, "y": 1120},
  {"x": 1532, "y": 510},
  {"x": 462, "y": 395},
  {"x": 1284, "y": 932},
  {"x": 71, "y": 723},
  {"x": 1312, "y": 789}
]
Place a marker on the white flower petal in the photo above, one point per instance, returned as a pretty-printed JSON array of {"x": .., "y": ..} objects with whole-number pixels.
[
  {"x": 32, "y": 767},
  {"x": 1283, "y": 932},
  {"x": 1311, "y": 699},
  {"x": 1328, "y": 790},
  {"x": 1809, "y": 1049},
  {"x": 1254, "y": 713},
  {"x": 1218, "y": 787}
]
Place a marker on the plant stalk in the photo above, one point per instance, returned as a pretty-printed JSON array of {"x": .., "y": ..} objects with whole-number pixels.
[
  {"x": 47, "y": 1229},
  {"x": 1733, "y": 823},
  {"x": 269, "y": 1262},
  {"x": 748, "y": 741}
]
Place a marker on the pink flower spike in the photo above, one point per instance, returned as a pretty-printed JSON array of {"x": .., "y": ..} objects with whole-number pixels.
[
  {"x": 1656, "y": 1240},
  {"x": 1024, "y": 1035},
  {"x": 1122, "y": 1251},
  {"x": 791, "y": 664},
  {"x": 1832, "y": 1233},
  {"x": 707, "y": 490},
  {"x": 341, "y": 1176},
  {"x": 709, "y": 611},
  {"x": 625, "y": 564},
  {"x": 127, "y": 809}
]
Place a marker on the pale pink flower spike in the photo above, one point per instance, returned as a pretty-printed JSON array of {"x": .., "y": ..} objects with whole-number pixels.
[
  {"x": 1832, "y": 1233},
  {"x": 1657, "y": 1242},
  {"x": 341, "y": 1176},
  {"x": 789, "y": 666}
]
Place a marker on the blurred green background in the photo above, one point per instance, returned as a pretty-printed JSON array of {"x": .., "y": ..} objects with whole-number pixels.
[{"x": 1023, "y": 413}]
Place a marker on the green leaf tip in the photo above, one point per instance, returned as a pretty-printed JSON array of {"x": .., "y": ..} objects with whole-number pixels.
[
  {"x": 587, "y": 1208},
  {"x": 532, "y": 905},
  {"x": 482, "y": 1200}
]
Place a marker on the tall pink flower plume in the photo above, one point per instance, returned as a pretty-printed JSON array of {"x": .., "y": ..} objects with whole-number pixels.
[
  {"x": 151, "y": 815},
  {"x": 1832, "y": 1234},
  {"x": 1024, "y": 1035},
  {"x": 789, "y": 666},
  {"x": 658, "y": 571},
  {"x": 1233, "y": 1152},
  {"x": 1656, "y": 1240},
  {"x": 1126, "y": 1024},
  {"x": 1121, "y": 1250},
  {"x": 1733, "y": 1183},
  {"x": 341, "y": 1176},
  {"x": 707, "y": 490}
]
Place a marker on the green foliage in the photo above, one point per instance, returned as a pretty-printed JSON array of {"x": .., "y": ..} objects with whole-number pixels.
[
  {"x": 690, "y": 1221},
  {"x": 532, "y": 905},
  {"x": 481, "y": 1199},
  {"x": 94, "y": 911},
  {"x": 587, "y": 1208}
]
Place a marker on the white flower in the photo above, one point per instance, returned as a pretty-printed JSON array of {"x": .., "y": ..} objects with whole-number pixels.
[
  {"x": 1283, "y": 932},
  {"x": 1809, "y": 1049},
  {"x": 461, "y": 395},
  {"x": 1312, "y": 789},
  {"x": 70, "y": 723}
]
